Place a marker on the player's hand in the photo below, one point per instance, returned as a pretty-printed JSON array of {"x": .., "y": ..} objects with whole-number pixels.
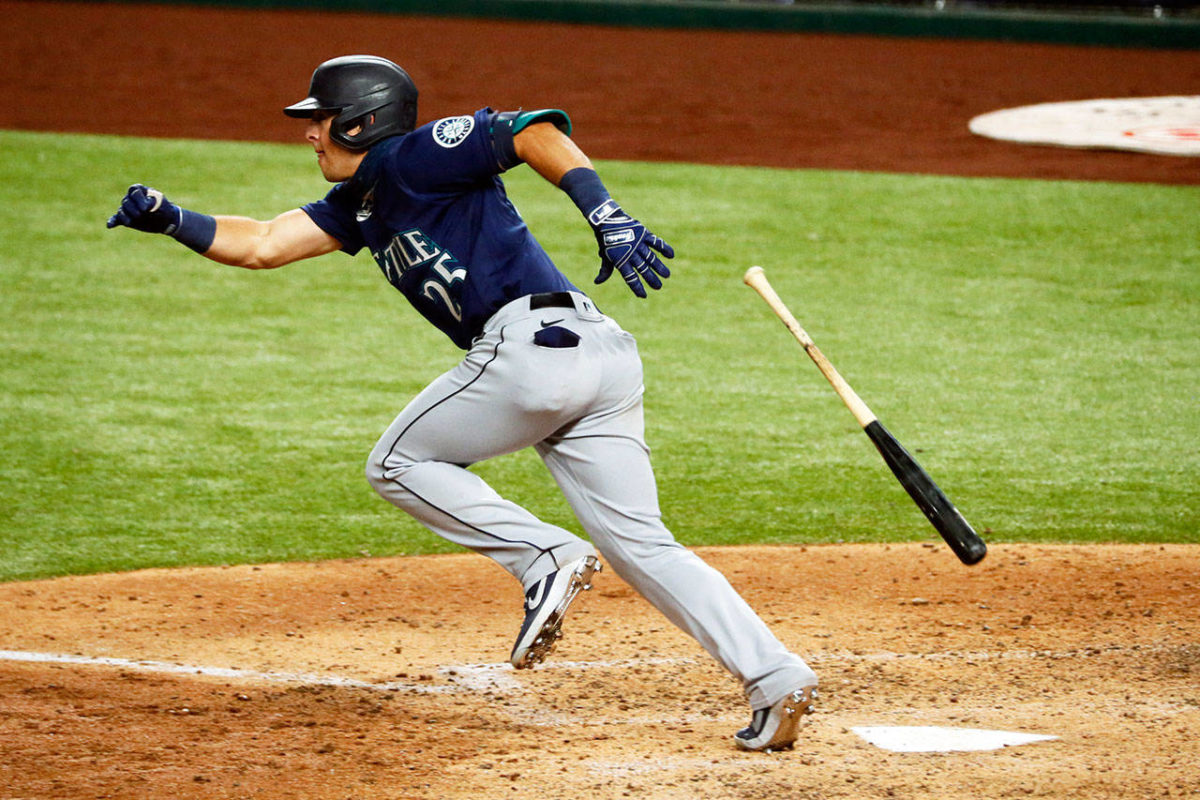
[
  {"x": 146, "y": 209},
  {"x": 627, "y": 247}
]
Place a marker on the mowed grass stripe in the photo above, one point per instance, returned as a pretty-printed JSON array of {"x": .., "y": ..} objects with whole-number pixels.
[{"x": 1034, "y": 343}]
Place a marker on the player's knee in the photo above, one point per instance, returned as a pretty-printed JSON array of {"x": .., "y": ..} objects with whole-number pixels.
[
  {"x": 374, "y": 473},
  {"x": 381, "y": 471}
]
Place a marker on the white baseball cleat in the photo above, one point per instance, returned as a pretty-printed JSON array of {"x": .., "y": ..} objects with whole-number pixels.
[
  {"x": 546, "y": 604},
  {"x": 776, "y": 727}
]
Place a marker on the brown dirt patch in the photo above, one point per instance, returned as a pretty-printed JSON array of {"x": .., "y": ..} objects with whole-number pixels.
[
  {"x": 786, "y": 100},
  {"x": 1094, "y": 645}
]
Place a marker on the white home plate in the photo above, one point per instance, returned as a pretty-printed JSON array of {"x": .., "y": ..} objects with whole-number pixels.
[
  {"x": 1163, "y": 125},
  {"x": 926, "y": 739}
]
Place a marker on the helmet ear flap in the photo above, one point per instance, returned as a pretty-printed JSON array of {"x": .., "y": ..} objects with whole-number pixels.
[{"x": 351, "y": 131}]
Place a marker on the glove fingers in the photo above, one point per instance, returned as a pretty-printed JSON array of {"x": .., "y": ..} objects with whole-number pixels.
[
  {"x": 145, "y": 209},
  {"x": 629, "y": 248},
  {"x": 661, "y": 246},
  {"x": 631, "y": 277},
  {"x": 658, "y": 266},
  {"x": 136, "y": 197},
  {"x": 133, "y": 206},
  {"x": 646, "y": 270},
  {"x": 648, "y": 264},
  {"x": 145, "y": 201}
]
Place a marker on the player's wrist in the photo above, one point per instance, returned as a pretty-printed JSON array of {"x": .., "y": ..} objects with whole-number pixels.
[
  {"x": 587, "y": 192},
  {"x": 195, "y": 230}
]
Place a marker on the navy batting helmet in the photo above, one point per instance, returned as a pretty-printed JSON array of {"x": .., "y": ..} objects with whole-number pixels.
[{"x": 367, "y": 92}]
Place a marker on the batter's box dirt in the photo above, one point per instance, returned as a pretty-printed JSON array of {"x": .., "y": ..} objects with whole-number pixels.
[{"x": 350, "y": 680}]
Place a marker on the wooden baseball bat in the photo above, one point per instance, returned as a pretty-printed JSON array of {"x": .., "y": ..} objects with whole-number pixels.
[{"x": 932, "y": 501}]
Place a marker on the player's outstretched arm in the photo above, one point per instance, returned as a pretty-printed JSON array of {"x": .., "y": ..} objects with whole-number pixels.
[
  {"x": 249, "y": 243},
  {"x": 238, "y": 241},
  {"x": 625, "y": 244}
]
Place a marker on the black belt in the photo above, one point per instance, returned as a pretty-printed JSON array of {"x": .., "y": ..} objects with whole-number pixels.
[{"x": 551, "y": 300}]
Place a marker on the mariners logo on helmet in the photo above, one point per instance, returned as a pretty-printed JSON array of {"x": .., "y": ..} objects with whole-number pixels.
[{"x": 370, "y": 97}]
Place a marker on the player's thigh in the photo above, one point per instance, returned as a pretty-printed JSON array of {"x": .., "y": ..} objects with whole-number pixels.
[{"x": 494, "y": 402}]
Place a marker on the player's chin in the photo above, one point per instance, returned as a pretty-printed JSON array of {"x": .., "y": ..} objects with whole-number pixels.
[{"x": 330, "y": 171}]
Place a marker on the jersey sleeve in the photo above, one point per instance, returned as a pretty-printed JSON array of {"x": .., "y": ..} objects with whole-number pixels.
[
  {"x": 335, "y": 214},
  {"x": 450, "y": 154}
]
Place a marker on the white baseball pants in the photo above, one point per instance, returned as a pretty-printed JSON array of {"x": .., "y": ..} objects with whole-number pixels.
[{"x": 581, "y": 408}]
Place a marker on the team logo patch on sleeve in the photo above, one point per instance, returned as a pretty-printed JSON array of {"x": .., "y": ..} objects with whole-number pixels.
[{"x": 451, "y": 131}]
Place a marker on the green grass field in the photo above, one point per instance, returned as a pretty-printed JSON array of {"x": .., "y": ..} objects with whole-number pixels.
[{"x": 1034, "y": 343}]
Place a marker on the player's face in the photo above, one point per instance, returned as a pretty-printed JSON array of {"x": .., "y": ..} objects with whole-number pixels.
[{"x": 336, "y": 162}]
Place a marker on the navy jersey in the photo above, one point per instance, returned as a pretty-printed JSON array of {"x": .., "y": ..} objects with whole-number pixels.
[{"x": 431, "y": 208}]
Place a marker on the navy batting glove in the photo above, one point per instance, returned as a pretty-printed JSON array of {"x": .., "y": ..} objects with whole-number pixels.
[
  {"x": 625, "y": 244},
  {"x": 627, "y": 247},
  {"x": 146, "y": 209}
]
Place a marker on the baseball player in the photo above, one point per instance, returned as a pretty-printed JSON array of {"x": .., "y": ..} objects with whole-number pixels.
[{"x": 544, "y": 368}]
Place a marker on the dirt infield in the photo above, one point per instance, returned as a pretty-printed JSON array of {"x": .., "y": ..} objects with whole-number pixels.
[
  {"x": 1094, "y": 645},
  {"x": 786, "y": 100},
  {"x": 384, "y": 678}
]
